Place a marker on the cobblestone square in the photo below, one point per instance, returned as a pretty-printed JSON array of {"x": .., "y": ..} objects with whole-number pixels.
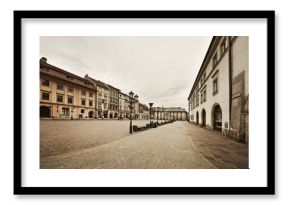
[{"x": 107, "y": 144}]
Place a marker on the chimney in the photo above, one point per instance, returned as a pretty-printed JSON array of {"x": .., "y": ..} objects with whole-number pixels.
[{"x": 43, "y": 59}]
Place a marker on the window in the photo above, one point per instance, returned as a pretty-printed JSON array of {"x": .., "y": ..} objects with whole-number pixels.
[
  {"x": 83, "y": 93},
  {"x": 223, "y": 46},
  {"x": 204, "y": 95},
  {"x": 91, "y": 94},
  {"x": 65, "y": 111},
  {"x": 45, "y": 96},
  {"x": 70, "y": 89},
  {"x": 201, "y": 98},
  {"x": 215, "y": 86},
  {"x": 45, "y": 82},
  {"x": 90, "y": 103},
  {"x": 59, "y": 98},
  {"x": 83, "y": 102},
  {"x": 59, "y": 86},
  {"x": 214, "y": 60},
  {"x": 82, "y": 111},
  {"x": 197, "y": 101},
  {"x": 69, "y": 99}
]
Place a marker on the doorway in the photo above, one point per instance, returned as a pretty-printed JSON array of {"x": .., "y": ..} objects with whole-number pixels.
[
  {"x": 203, "y": 115},
  {"x": 44, "y": 112},
  {"x": 217, "y": 118},
  {"x": 91, "y": 114}
]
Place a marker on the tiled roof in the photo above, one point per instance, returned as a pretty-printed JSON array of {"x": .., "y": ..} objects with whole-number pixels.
[{"x": 58, "y": 73}]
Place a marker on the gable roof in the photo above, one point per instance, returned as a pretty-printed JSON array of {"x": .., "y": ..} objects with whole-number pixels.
[{"x": 63, "y": 75}]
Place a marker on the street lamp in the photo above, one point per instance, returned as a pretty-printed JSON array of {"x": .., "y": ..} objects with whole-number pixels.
[
  {"x": 150, "y": 112},
  {"x": 131, "y": 94}
]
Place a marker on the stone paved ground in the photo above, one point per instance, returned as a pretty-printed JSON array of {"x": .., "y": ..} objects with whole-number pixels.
[
  {"x": 220, "y": 150},
  {"x": 170, "y": 146},
  {"x": 59, "y": 136}
]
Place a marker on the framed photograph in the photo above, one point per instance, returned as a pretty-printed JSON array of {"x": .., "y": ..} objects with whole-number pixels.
[{"x": 144, "y": 102}]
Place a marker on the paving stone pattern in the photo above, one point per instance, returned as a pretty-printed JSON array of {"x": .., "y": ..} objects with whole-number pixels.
[
  {"x": 222, "y": 151},
  {"x": 107, "y": 144}
]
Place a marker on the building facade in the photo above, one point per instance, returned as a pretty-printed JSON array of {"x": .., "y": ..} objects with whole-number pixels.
[
  {"x": 64, "y": 95},
  {"x": 219, "y": 96},
  {"x": 143, "y": 111},
  {"x": 113, "y": 110},
  {"x": 122, "y": 105},
  {"x": 127, "y": 106},
  {"x": 169, "y": 113},
  {"x": 101, "y": 100},
  {"x": 136, "y": 114}
]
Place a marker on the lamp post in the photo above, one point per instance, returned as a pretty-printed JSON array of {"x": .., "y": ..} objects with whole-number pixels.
[
  {"x": 131, "y": 94},
  {"x": 150, "y": 112},
  {"x": 157, "y": 114}
]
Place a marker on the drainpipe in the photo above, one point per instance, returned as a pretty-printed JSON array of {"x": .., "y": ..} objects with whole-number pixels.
[{"x": 230, "y": 80}]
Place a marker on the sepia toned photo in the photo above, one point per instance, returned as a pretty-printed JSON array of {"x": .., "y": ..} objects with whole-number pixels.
[{"x": 144, "y": 102}]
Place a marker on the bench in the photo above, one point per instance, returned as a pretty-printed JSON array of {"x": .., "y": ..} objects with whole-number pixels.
[{"x": 142, "y": 128}]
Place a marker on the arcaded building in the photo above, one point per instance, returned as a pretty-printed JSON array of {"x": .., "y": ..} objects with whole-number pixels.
[
  {"x": 169, "y": 113},
  {"x": 219, "y": 98},
  {"x": 64, "y": 95}
]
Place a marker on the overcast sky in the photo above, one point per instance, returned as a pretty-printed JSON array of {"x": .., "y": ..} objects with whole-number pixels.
[{"x": 161, "y": 70}]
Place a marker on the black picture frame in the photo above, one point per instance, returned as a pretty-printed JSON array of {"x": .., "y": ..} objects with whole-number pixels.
[{"x": 269, "y": 16}]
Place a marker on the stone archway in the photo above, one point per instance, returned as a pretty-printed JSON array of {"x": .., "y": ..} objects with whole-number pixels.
[
  {"x": 45, "y": 112},
  {"x": 217, "y": 117},
  {"x": 91, "y": 114}
]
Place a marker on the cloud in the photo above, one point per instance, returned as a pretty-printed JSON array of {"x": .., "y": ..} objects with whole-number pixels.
[{"x": 159, "y": 69}]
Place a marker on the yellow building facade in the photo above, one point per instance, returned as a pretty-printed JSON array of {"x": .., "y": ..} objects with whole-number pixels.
[{"x": 64, "y": 95}]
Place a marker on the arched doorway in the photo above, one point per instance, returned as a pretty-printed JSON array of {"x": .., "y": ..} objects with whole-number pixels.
[
  {"x": 217, "y": 117},
  {"x": 106, "y": 114},
  {"x": 91, "y": 114},
  {"x": 44, "y": 112},
  {"x": 203, "y": 115},
  {"x": 197, "y": 118}
]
